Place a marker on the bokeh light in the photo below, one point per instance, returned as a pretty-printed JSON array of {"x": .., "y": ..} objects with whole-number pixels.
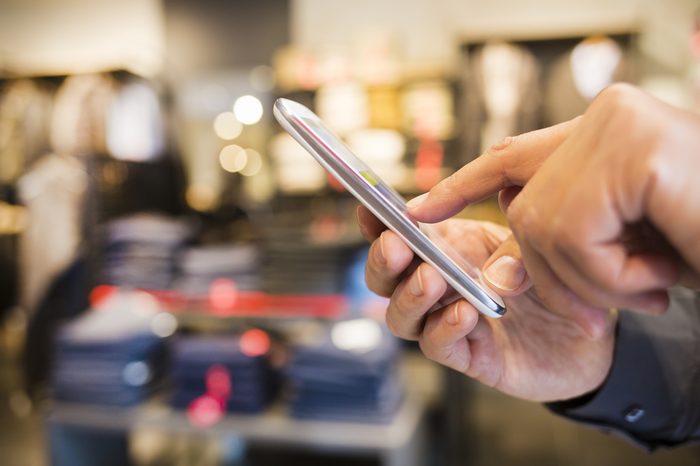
[
  {"x": 233, "y": 158},
  {"x": 218, "y": 381},
  {"x": 205, "y": 411},
  {"x": 100, "y": 293},
  {"x": 227, "y": 126},
  {"x": 223, "y": 295},
  {"x": 248, "y": 109},
  {"x": 164, "y": 324},
  {"x": 356, "y": 335},
  {"x": 136, "y": 373},
  {"x": 201, "y": 197},
  {"x": 255, "y": 342},
  {"x": 253, "y": 163}
]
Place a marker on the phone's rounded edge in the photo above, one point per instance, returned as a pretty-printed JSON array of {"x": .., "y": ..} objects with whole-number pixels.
[
  {"x": 279, "y": 111},
  {"x": 288, "y": 108},
  {"x": 496, "y": 304},
  {"x": 491, "y": 308},
  {"x": 497, "y": 312}
]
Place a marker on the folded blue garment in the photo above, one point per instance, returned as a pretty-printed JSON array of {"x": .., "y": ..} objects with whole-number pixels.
[
  {"x": 252, "y": 382},
  {"x": 376, "y": 392},
  {"x": 325, "y": 355},
  {"x": 108, "y": 357},
  {"x": 326, "y": 382},
  {"x": 208, "y": 348}
]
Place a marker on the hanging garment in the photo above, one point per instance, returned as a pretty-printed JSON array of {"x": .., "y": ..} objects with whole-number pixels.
[
  {"x": 79, "y": 114},
  {"x": 577, "y": 76},
  {"x": 53, "y": 188},
  {"x": 52, "y": 192},
  {"x": 25, "y": 109},
  {"x": 135, "y": 130},
  {"x": 501, "y": 96}
]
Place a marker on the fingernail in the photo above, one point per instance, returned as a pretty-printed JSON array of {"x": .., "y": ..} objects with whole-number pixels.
[
  {"x": 380, "y": 253},
  {"x": 415, "y": 286},
  {"x": 506, "y": 273},
  {"x": 416, "y": 201},
  {"x": 452, "y": 316}
]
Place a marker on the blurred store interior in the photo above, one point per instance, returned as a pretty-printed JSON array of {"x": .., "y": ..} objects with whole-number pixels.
[{"x": 182, "y": 284}]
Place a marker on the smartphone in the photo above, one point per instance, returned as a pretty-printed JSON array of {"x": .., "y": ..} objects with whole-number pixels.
[{"x": 386, "y": 204}]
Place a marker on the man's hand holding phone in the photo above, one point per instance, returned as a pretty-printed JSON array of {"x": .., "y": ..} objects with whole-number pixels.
[{"x": 532, "y": 353}]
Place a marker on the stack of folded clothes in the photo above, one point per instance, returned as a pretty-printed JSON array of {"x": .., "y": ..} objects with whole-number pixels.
[
  {"x": 109, "y": 357},
  {"x": 233, "y": 369},
  {"x": 141, "y": 251},
  {"x": 350, "y": 374},
  {"x": 200, "y": 266},
  {"x": 304, "y": 259}
]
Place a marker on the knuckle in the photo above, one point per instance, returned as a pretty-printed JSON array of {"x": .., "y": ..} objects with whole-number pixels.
[
  {"x": 502, "y": 145},
  {"x": 451, "y": 183},
  {"x": 513, "y": 215},
  {"x": 427, "y": 348},
  {"x": 618, "y": 94},
  {"x": 616, "y": 103},
  {"x": 525, "y": 220}
]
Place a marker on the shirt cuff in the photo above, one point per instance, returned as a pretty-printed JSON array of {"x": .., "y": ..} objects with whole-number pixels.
[{"x": 652, "y": 393}]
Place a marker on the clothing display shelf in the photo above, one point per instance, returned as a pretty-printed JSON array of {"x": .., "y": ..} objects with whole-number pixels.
[{"x": 399, "y": 443}]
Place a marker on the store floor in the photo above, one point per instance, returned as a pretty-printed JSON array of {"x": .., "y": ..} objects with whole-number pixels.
[
  {"x": 21, "y": 431},
  {"x": 512, "y": 432},
  {"x": 507, "y": 432}
]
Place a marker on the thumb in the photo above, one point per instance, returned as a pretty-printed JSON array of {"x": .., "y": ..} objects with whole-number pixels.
[
  {"x": 504, "y": 271},
  {"x": 511, "y": 162}
]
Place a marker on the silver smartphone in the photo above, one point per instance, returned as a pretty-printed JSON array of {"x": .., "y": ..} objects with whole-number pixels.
[{"x": 386, "y": 204}]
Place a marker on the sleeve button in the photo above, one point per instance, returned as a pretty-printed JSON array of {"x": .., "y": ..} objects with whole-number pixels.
[{"x": 634, "y": 413}]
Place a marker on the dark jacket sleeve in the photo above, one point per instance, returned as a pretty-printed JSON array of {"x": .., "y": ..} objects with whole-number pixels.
[{"x": 652, "y": 394}]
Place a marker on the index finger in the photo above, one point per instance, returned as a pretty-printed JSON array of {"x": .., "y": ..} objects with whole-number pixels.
[{"x": 511, "y": 162}]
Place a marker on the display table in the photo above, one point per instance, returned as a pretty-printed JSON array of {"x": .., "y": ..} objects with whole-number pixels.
[{"x": 399, "y": 443}]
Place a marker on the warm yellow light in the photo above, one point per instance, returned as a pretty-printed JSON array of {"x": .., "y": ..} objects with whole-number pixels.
[
  {"x": 233, "y": 158},
  {"x": 227, "y": 126},
  {"x": 200, "y": 197},
  {"x": 253, "y": 163},
  {"x": 248, "y": 109}
]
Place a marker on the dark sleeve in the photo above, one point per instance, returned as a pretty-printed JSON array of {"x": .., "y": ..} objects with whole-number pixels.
[{"x": 652, "y": 394}]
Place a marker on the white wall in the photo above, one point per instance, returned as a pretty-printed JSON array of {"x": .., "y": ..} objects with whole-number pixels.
[
  {"x": 70, "y": 36},
  {"x": 428, "y": 30}
]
